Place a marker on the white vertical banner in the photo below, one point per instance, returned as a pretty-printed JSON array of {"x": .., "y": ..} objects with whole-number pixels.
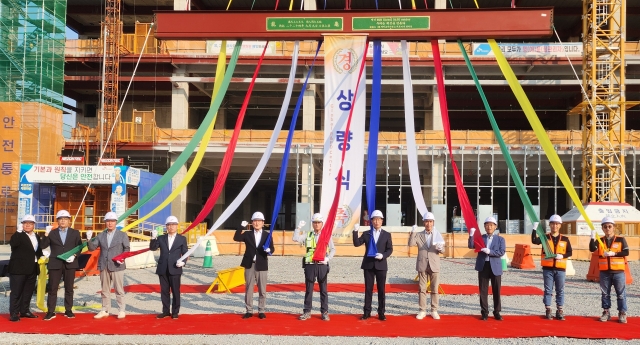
[{"x": 342, "y": 59}]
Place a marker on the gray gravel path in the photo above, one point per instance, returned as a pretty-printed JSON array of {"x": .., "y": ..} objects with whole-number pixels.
[{"x": 581, "y": 298}]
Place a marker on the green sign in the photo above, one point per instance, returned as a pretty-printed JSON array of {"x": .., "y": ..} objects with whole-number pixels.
[
  {"x": 390, "y": 23},
  {"x": 304, "y": 24}
]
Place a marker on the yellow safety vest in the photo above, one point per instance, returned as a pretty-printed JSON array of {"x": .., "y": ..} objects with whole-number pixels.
[{"x": 310, "y": 243}]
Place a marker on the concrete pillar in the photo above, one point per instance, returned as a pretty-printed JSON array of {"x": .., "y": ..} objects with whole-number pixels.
[
  {"x": 433, "y": 118},
  {"x": 181, "y": 5},
  {"x": 573, "y": 122},
  {"x": 308, "y": 124},
  {"x": 310, "y": 5},
  {"x": 435, "y": 193},
  {"x": 441, "y": 4},
  {"x": 179, "y": 120},
  {"x": 221, "y": 119}
]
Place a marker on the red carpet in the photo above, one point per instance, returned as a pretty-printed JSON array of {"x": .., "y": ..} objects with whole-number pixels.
[
  {"x": 340, "y": 325},
  {"x": 358, "y": 288}
]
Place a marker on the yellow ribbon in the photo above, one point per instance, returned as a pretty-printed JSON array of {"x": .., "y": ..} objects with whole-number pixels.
[{"x": 220, "y": 70}]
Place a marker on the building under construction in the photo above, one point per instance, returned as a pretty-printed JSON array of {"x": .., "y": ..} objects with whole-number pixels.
[{"x": 139, "y": 99}]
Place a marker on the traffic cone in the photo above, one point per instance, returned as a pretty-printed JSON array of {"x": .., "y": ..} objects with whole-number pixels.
[
  {"x": 569, "y": 270},
  {"x": 208, "y": 257},
  {"x": 505, "y": 263}
]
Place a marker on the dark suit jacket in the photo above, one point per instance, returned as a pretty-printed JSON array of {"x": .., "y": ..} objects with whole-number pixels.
[
  {"x": 498, "y": 247},
  {"x": 169, "y": 257},
  {"x": 383, "y": 246},
  {"x": 23, "y": 256},
  {"x": 55, "y": 242},
  {"x": 262, "y": 258}
]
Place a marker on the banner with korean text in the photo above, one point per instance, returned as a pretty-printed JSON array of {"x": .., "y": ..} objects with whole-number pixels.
[{"x": 342, "y": 60}]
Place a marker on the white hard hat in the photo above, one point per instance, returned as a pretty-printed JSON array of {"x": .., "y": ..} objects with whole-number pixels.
[
  {"x": 28, "y": 218},
  {"x": 63, "y": 214},
  {"x": 257, "y": 216},
  {"x": 171, "y": 220},
  {"x": 555, "y": 218},
  {"x": 110, "y": 216},
  {"x": 317, "y": 217},
  {"x": 491, "y": 220},
  {"x": 607, "y": 220},
  {"x": 377, "y": 213},
  {"x": 428, "y": 216}
]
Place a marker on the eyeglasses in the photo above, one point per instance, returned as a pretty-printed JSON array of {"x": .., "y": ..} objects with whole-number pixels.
[
  {"x": 316, "y": 222},
  {"x": 607, "y": 226}
]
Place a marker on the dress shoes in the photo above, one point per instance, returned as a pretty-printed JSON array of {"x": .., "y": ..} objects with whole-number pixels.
[
  {"x": 484, "y": 316},
  {"x": 381, "y": 317},
  {"x": 14, "y": 318},
  {"x": 247, "y": 315},
  {"x": 365, "y": 316},
  {"x": 497, "y": 316},
  {"x": 262, "y": 316},
  {"x": 29, "y": 315},
  {"x": 174, "y": 316},
  {"x": 163, "y": 315}
]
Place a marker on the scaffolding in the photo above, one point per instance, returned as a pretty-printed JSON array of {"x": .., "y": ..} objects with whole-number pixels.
[{"x": 112, "y": 32}]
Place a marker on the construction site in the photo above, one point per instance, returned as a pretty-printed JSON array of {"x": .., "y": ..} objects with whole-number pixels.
[{"x": 139, "y": 91}]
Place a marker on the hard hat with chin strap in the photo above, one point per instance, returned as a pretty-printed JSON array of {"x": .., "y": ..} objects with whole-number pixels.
[{"x": 317, "y": 217}]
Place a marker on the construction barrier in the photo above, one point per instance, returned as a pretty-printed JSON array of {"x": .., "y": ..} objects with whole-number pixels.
[
  {"x": 522, "y": 258},
  {"x": 228, "y": 279},
  {"x": 91, "y": 267}
]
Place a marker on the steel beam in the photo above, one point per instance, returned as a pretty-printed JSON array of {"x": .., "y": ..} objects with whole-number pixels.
[{"x": 504, "y": 23}]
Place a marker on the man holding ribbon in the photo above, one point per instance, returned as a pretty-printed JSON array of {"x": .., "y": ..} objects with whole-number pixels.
[
  {"x": 169, "y": 270},
  {"x": 489, "y": 267},
  {"x": 612, "y": 251},
  {"x": 430, "y": 245},
  {"x": 255, "y": 262},
  {"x": 23, "y": 269},
  {"x": 61, "y": 240},
  {"x": 374, "y": 262},
  {"x": 554, "y": 268},
  {"x": 111, "y": 243},
  {"x": 314, "y": 269}
]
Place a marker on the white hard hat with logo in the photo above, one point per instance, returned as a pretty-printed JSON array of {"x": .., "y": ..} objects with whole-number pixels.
[
  {"x": 491, "y": 220},
  {"x": 555, "y": 219},
  {"x": 317, "y": 217},
  {"x": 377, "y": 213},
  {"x": 257, "y": 216},
  {"x": 172, "y": 220},
  {"x": 28, "y": 218},
  {"x": 606, "y": 220},
  {"x": 428, "y": 216},
  {"x": 110, "y": 216},
  {"x": 63, "y": 214}
]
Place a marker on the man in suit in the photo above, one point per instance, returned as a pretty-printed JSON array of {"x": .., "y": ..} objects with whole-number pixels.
[
  {"x": 430, "y": 246},
  {"x": 23, "y": 269},
  {"x": 111, "y": 243},
  {"x": 255, "y": 262},
  {"x": 375, "y": 267},
  {"x": 172, "y": 247},
  {"x": 489, "y": 267},
  {"x": 61, "y": 240}
]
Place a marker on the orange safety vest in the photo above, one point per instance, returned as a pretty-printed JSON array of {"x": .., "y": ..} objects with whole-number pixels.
[
  {"x": 611, "y": 263},
  {"x": 560, "y": 248}
]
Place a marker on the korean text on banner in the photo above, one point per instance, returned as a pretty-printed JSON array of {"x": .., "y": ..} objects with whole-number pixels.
[{"x": 342, "y": 54}]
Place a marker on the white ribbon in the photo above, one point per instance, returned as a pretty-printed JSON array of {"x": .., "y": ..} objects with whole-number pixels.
[
  {"x": 263, "y": 161},
  {"x": 412, "y": 156}
]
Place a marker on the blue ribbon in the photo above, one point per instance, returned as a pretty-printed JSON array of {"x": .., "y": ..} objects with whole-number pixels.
[
  {"x": 285, "y": 156},
  {"x": 372, "y": 150}
]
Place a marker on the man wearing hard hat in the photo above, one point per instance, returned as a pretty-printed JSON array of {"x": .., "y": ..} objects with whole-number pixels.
[
  {"x": 172, "y": 247},
  {"x": 111, "y": 243},
  {"x": 374, "y": 267},
  {"x": 26, "y": 249},
  {"x": 255, "y": 262},
  {"x": 61, "y": 240},
  {"x": 554, "y": 268},
  {"x": 611, "y": 262},
  {"x": 489, "y": 267},
  {"x": 430, "y": 245},
  {"x": 314, "y": 269}
]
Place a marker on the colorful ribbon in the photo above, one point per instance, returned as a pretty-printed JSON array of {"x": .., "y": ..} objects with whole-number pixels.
[
  {"x": 327, "y": 230},
  {"x": 465, "y": 205},
  {"x": 285, "y": 155}
]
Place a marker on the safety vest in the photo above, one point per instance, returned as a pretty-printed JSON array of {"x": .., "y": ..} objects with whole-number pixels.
[
  {"x": 310, "y": 243},
  {"x": 560, "y": 248},
  {"x": 611, "y": 263}
]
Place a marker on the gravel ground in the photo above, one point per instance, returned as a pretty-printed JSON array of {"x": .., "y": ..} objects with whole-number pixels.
[{"x": 581, "y": 298}]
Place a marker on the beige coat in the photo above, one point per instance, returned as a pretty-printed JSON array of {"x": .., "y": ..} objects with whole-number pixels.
[{"x": 426, "y": 257}]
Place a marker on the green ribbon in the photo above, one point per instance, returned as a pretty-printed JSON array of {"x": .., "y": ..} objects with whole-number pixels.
[
  {"x": 507, "y": 157},
  {"x": 188, "y": 150}
]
